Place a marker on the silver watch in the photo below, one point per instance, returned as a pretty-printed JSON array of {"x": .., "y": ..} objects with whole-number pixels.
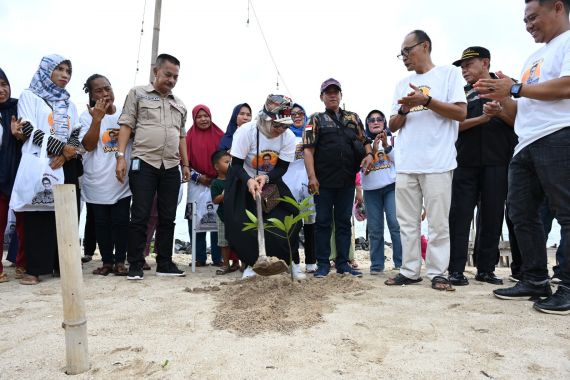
[{"x": 119, "y": 154}]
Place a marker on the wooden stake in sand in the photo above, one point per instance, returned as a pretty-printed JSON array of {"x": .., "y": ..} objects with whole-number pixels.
[{"x": 74, "y": 320}]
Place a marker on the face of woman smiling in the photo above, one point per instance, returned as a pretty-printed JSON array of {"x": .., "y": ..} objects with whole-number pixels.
[
  {"x": 244, "y": 116},
  {"x": 374, "y": 125},
  {"x": 4, "y": 91}
]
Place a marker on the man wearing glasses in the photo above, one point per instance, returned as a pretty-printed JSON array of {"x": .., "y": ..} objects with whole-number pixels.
[
  {"x": 335, "y": 150},
  {"x": 428, "y": 106}
]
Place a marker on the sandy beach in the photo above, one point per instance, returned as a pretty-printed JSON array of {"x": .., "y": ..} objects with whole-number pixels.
[{"x": 205, "y": 326}]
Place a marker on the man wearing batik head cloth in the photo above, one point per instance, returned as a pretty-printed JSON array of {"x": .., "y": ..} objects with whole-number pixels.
[
  {"x": 335, "y": 150},
  {"x": 268, "y": 134}
]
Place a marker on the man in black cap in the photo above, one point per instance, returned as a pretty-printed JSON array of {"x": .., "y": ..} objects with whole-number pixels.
[
  {"x": 335, "y": 150},
  {"x": 484, "y": 148}
]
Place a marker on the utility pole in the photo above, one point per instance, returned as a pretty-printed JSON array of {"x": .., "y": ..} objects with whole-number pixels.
[{"x": 155, "y": 37}]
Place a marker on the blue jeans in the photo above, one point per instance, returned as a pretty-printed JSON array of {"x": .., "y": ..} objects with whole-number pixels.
[
  {"x": 538, "y": 170},
  {"x": 377, "y": 203},
  {"x": 201, "y": 255},
  {"x": 341, "y": 200},
  {"x": 546, "y": 216}
]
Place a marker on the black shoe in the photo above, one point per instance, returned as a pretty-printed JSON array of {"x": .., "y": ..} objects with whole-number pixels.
[
  {"x": 458, "y": 279},
  {"x": 558, "y": 303},
  {"x": 489, "y": 277},
  {"x": 135, "y": 272},
  {"x": 524, "y": 290},
  {"x": 86, "y": 258},
  {"x": 169, "y": 269},
  {"x": 555, "y": 279}
]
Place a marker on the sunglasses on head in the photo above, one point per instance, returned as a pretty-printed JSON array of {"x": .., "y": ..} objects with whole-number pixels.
[{"x": 376, "y": 119}]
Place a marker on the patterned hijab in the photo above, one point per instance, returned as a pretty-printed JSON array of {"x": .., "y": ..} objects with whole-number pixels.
[{"x": 55, "y": 96}]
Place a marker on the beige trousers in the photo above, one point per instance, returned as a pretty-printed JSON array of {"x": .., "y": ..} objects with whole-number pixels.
[{"x": 434, "y": 191}]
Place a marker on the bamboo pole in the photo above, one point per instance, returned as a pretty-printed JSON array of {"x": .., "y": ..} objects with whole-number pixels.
[{"x": 74, "y": 320}]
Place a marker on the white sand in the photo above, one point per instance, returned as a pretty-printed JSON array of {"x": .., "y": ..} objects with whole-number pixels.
[{"x": 346, "y": 328}]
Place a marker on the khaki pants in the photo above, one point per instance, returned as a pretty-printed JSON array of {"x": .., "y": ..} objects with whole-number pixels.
[{"x": 435, "y": 191}]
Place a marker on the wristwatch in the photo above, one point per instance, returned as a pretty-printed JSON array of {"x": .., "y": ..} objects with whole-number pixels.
[
  {"x": 516, "y": 90},
  {"x": 119, "y": 154},
  {"x": 401, "y": 112}
]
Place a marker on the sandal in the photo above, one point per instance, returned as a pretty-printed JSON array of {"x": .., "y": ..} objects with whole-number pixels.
[
  {"x": 400, "y": 279},
  {"x": 28, "y": 279},
  {"x": 104, "y": 270},
  {"x": 441, "y": 283},
  {"x": 224, "y": 270},
  {"x": 353, "y": 264},
  {"x": 4, "y": 277},
  {"x": 235, "y": 266},
  {"x": 120, "y": 270},
  {"x": 20, "y": 272}
]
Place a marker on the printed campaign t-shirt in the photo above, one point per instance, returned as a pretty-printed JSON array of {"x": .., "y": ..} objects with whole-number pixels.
[
  {"x": 382, "y": 173},
  {"x": 99, "y": 183},
  {"x": 244, "y": 146},
  {"x": 426, "y": 142},
  {"x": 538, "y": 118},
  {"x": 296, "y": 177}
]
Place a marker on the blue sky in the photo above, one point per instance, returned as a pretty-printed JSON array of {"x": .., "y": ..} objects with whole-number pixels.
[{"x": 225, "y": 61}]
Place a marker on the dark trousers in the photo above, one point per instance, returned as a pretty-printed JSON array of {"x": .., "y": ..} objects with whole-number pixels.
[
  {"x": 546, "y": 216},
  {"x": 516, "y": 258},
  {"x": 309, "y": 245},
  {"x": 144, "y": 183},
  {"x": 538, "y": 170},
  {"x": 489, "y": 184},
  {"x": 112, "y": 230},
  {"x": 89, "y": 238},
  {"x": 340, "y": 200}
]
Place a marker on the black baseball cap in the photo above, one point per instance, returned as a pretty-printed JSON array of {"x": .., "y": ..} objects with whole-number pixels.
[{"x": 473, "y": 52}]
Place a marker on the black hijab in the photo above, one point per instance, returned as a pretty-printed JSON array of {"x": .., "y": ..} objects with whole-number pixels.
[{"x": 11, "y": 149}]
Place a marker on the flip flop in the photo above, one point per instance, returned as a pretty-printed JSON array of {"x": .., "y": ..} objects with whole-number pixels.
[
  {"x": 400, "y": 279},
  {"x": 28, "y": 279},
  {"x": 104, "y": 270},
  {"x": 441, "y": 283},
  {"x": 4, "y": 277}
]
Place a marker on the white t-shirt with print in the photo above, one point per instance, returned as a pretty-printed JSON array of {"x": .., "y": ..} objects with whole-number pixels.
[
  {"x": 34, "y": 109},
  {"x": 382, "y": 173},
  {"x": 426, "y": 142},
  {"x": 296, "y": 177},
  {"x": 244, "y": 146},
  {"x": 99, "y": 183},
  {"x": 538, "y": 118}
]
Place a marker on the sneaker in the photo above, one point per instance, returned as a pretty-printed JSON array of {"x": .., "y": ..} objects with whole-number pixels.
[
  {"x": 458, "y": 279},
  {"x": 135, "y": 272},
  {"x": 558, "y": 303},
  {"x": 524, "y": 290},
  {"x": 169, "y": 269},
  {"x": 248, "y": 272},
  {"x": 348, "y": 270},
  {"x": 555, "y": 279},
  {"x": 311, "y": 268},
  {"x": 322, "y": 271},
  {"x": 297, "y": 273}
]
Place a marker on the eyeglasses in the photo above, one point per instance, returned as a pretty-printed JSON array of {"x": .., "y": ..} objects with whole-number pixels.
[
  {"x": 375, "y": 119},
  {"x": 279, "y": 125},
  {"x": 298, "y": 113},
  {"x": 406, "y": 51}
]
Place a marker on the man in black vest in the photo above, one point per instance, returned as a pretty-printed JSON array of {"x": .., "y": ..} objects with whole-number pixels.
[
  {"x": 484, "y": 148},
  {"x": 335, "y": 150}
]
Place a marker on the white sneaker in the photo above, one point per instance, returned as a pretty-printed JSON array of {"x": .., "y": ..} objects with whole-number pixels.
[
  {"x": 248, "y": 272},
  {"x": 311, "y": 268},
  {"x": 297, "y": 273}
]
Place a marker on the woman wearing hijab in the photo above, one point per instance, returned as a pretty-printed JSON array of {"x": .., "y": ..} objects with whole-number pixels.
[
  {"x": 268, "y": 134},
  {"x": 298, "y": 182},
  {"x": 379, "y": 187},
  {"x": 240, "y": 115},
  {"x": 45, "y": 107},
  {"x": 10, "y": 155},
  {"x": 202, "y": 140}
]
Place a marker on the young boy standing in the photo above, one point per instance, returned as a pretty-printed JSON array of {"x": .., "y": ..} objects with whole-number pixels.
[{"x": 221, "y": 160}]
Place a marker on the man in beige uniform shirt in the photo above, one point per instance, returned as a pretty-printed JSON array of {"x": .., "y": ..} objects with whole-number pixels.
[{"x": 156, "y": 118}]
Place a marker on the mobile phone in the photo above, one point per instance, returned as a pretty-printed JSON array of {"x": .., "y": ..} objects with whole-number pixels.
[{"x": 135, "y": 165}]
